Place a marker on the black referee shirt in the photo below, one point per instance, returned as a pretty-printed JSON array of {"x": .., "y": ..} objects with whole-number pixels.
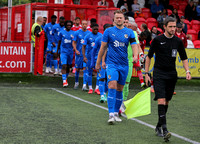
[{"x": 165, "y": 50}]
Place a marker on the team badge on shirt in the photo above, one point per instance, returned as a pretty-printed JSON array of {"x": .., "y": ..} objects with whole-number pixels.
[
  {"x": 174, "y": 52},
  {"x": 109, "y": 76},
  {"x": 99, "y": 75},
  {"x": 126, "y": 36}
]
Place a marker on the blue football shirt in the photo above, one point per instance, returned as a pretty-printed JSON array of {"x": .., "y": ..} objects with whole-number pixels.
[
  {"x": 118, "y": 40},
  {"x": 89, "y": 41},
  {"x": 57, "y": 28},
  {"x": 48, "y": 30},
  {"x": 79, "y": 38},
  {"x": 66, "y": 38}
]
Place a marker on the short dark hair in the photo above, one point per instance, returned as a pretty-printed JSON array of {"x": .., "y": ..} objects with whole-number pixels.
[
  {"x": 93, "y": 20},
  {"x": 53, "y": 16},
  {"x": 126, "y": 17},
  {"x": 142, "y": 34},
  {"x": 144, "y": 26},
  {"x": 45, "y": 17},
  {"x": 169, "y": 19},
  {"x": 62, "y": 18},
  {"x": 94, "y": 24},
  {"x": 106, "y": 26},
  {"x": 68, "y": 21},
  {"x": 77, "y": 18}
]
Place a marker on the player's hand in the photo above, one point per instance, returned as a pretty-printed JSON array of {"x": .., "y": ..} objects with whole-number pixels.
[
  {"x": 188, "y": 76},
  {"x": 103, "y": 65},
  {"x": 54, "y": 45},
  {"x": 147, "y": 79},
  {"x": 135, "y": 59},
  {"x": 85, "y": 59},
  {"x": 77, "y": 52},
  {"x": 98, "y": 67}
]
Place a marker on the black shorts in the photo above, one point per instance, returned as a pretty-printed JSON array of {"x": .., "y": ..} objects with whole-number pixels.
[{"x": 164, "y": 88}]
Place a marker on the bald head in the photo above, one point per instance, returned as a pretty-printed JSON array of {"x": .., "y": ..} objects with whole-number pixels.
[{"x": 39, "y": 20}]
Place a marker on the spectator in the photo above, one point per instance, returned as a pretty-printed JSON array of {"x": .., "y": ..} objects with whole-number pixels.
[
  {"x": 126, "y": 12},
  {"x": 126, "y": 3},
  {"x": 136, "y": 9},
  {"x": 44, "y": 22},
  {"x": 190, "y": 11},
  {"x": 141, "y": 2},
  {"x": 198, "y": 11},
  {"x": 134, "y": 25},
  {"x": 103, "y": 3},
  {"x": 148, "y": 3},
  {"x": 182, "y": 19},
  {"x": 161, "y": 18},
  {"x": 189, "y": 41},
  {"x": 147, "y": 33},
  {"x": 175, "y": 15},
  {"x": 180, "y": 34},
  {"x": 156, "y": 9},
  {"x": 154, "y": 32}
]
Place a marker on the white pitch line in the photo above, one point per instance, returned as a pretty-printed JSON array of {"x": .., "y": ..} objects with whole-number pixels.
[
  {"x": 139, "y": 121},
  {"x": 2, "y": 87}
]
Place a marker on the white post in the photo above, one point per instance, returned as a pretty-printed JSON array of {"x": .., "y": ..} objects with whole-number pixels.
[{"x": 9, "y": 20}]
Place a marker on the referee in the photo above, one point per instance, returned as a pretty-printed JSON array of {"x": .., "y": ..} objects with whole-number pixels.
[{"x": 165, "y": 48}]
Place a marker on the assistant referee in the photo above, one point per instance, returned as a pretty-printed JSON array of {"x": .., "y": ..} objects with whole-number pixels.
[{"x": 165, "y": 48}]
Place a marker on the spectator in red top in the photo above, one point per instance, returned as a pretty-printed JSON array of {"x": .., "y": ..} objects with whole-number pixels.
[
  {"x": 77, "y": 25},
  {"x": 179, "y": 33}
]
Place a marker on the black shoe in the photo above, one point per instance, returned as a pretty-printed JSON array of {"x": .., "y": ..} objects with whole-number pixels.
[
  {"x": 158, "y": 131},
  {"x": 166, "y": 136}
]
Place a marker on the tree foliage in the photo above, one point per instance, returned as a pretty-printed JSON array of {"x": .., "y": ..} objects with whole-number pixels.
[{"x": 18, "y": 2}]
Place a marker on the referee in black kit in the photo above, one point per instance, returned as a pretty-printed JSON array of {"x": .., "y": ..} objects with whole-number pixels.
[{"x": 165, "y": 48}]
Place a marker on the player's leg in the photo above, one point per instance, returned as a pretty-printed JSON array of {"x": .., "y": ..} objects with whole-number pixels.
[
  {"x": 128, "y": 79},
  {"x": 60, "y": 63},
  {"x": 123, "y": 72},
  {"x": 112, "y": 77},
  {"x": 48, "y": 58},
  {"x": 102, "y": 77},
  {"x": 138, "y": 69},
  {"x": 69, "y": 64},
  {"x": 97, "y": 85},
  {"x": 160, "y": 96},
  {"x": 78, "y": 66},
  {"x": 55, "y": 59},
  {"x": 85, "y": 76},
  {"x": 64, "y": 66}
]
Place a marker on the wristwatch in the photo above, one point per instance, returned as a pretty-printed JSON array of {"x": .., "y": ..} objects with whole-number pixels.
[{"x": 188, "y": 71}]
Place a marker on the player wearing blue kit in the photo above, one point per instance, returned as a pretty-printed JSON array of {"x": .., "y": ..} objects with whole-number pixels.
[
  {"x": 48, "y": 30},
  {"x": 116, "y": 39},
  {"x": 102, "y": 73},
  {"x": 57, "y": 28},
  {"x": 89, "y": 42},
  {"x": 66, "y": 52},
  {"x": 79, "y": 64}
]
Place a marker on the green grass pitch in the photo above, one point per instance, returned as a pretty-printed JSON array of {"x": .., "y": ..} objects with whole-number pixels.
[{"x": 33, "y": 113}]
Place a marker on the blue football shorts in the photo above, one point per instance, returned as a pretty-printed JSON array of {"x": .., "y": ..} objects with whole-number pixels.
[
  {"x": 117, "y": 73},
  {"x": 55, "y": 48},
  {"x": 66, "y": 58},
  {"x": 102, "y": 73},
  {"x": 79, "y": 61},
  {"x": 49, "y": 47}
]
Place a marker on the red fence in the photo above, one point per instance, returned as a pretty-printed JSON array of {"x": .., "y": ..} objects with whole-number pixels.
[{"x": 3, "y": 24}]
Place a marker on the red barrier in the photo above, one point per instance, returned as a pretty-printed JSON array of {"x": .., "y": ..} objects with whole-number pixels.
[
  {"x": 39, "y": 53},
  {"x": 15, "y": 57}
]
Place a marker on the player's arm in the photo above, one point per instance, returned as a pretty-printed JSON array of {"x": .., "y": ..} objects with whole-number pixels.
[
  {"x": 83, "y": 52},
  {"x": 148, "y": 61},
  {"x": 184, "y": 58},
  {"x": 104, "y": 60},
  {"x": 94, "y": 50},
  {"x": 53, "y": 36},
  {"x": 59, "y": 43},
  {"x": 102, "y": 50}
]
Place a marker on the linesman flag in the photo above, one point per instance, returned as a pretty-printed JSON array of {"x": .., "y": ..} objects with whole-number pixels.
[{"x": 139, "y": 105}]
